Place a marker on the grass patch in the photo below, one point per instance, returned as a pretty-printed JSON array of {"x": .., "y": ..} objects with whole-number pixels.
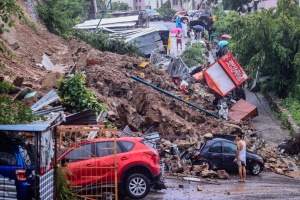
[{"x": 293, "y": 106}]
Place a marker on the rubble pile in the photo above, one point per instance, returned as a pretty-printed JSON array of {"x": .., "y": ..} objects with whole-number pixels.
[{"x": 129, "y": 102}]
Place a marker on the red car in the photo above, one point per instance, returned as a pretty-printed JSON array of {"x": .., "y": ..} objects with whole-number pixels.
[{"x": 92, "y": 164}]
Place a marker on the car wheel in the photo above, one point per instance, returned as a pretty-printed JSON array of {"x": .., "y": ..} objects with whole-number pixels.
[
  {"x": 255, "y": 169},
  {"x": 204, "y": 162},
  {"x": 137, "y": 186}
]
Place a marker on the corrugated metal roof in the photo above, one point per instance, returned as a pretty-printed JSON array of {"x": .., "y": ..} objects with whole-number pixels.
[
  {"x": 36, "y": 126},
  {"x": 25, "y": 127},
  {"x": 50, "y": 97}
]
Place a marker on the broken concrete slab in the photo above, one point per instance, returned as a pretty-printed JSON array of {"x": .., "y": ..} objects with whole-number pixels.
[{"x": 46, "y": 62}]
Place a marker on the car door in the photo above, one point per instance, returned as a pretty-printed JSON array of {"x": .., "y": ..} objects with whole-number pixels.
[
  {"x": 107, "y": 161},
  {"x": 80, "y": 162},
  {"x": 229, "y": 154},
  {"x": 215, "y": 155}
]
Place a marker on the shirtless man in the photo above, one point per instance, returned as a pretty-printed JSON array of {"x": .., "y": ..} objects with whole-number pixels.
[{"x": 241, "y": 157}]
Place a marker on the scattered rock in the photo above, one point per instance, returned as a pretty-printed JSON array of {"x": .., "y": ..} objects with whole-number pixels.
[
  {"x": 199, "y": 188},
  {"x": 209, "y": 173},
  {"x": 18, "y": 81},
  {"x": 50, "y": 80},
  {"x": 222, "y": 174}
]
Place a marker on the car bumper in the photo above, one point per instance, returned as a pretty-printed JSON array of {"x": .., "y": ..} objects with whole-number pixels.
[{"x": 158, "y": 184}]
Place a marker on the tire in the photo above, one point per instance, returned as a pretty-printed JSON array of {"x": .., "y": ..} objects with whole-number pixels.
[
  {"x": 204, "y": 162},
  {"x": 137, "y": 186},
  {"x": 255, "y": 169}
]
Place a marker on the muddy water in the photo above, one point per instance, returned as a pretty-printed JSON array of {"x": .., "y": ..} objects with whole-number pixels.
[{"x": 264, "y": 186}]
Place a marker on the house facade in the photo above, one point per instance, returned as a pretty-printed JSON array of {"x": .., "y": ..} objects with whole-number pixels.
[
  {"x": 147, "y": 4},
  {"x": 187, "y": 5}
]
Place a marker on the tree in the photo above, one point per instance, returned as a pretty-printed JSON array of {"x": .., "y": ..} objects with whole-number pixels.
[
  {"x": 60, "y": 16},
  {"x": 237, "y": 5},
  {"x": 8, "y": 8},
  {"x": 268, "y": 39},
  {"x": 165, "y": 9},
  {"x": 119, "y": 6}
]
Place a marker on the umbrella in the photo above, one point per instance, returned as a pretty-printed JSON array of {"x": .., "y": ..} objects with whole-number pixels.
[
  {"x": 223, "y": 43},
  {"x": 198, "y": 28},
  {"x": 226, "y": 36},
  {"x": 175, "y": 30},
  {"x": 184, "y": 19},
  {"x": 216, "y": 41}
]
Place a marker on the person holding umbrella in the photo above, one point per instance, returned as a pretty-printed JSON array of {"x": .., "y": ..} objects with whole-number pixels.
[{"x": 178, "y": 23}]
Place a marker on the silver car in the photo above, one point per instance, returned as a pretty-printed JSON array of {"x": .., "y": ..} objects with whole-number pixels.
[{"x": 153, "y": 15}]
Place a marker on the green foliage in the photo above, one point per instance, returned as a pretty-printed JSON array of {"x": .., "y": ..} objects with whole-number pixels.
[
  {"x": 63, "y": 190},
  {"x": 60, "y": 16},
  {"x": 237, "y": 5},
  {"x": 119, "y": 6},
  {"x": 8, "y": 9},
  {"x": 75, "y": 96},
  {"x": 195, "y": 55},
  {"x": 269, "y": 39},
  {"x": 5, "y": 50},
  {"x": 13, "y": 112},
  {"x": 293, "y": 106},
  {"x": 165, "y": 9},
  {"x": 5, "y": 87},
  {"x": 103, "y": 42}
]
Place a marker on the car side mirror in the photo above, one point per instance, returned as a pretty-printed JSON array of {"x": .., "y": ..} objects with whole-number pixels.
[{"x": 64, "y": 162}]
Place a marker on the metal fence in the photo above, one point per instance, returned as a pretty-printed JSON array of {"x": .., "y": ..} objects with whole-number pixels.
[{"x": 93, "y": 173}]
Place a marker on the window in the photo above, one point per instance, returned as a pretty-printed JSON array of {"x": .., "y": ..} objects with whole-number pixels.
[
  {"x": 216, "y": 148},
  {"x": 229, "y": 148},
  {"x": 106, "y": 149},
  {"x": 7, "y": 157},
  {"x": 140, "y": 0},
  {"x": 80, "y": 153},
  {"x": 140, "y": 7},
  {"x": 127, "y": 145},
  {"x": 175, "y": 2},
  {"x": 157, "y": 4}
]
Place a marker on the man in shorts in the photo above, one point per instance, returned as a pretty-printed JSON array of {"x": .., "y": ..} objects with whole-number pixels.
[
  {"x": 241, "y": 157},
  {"x": 179, "y": 40}
]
